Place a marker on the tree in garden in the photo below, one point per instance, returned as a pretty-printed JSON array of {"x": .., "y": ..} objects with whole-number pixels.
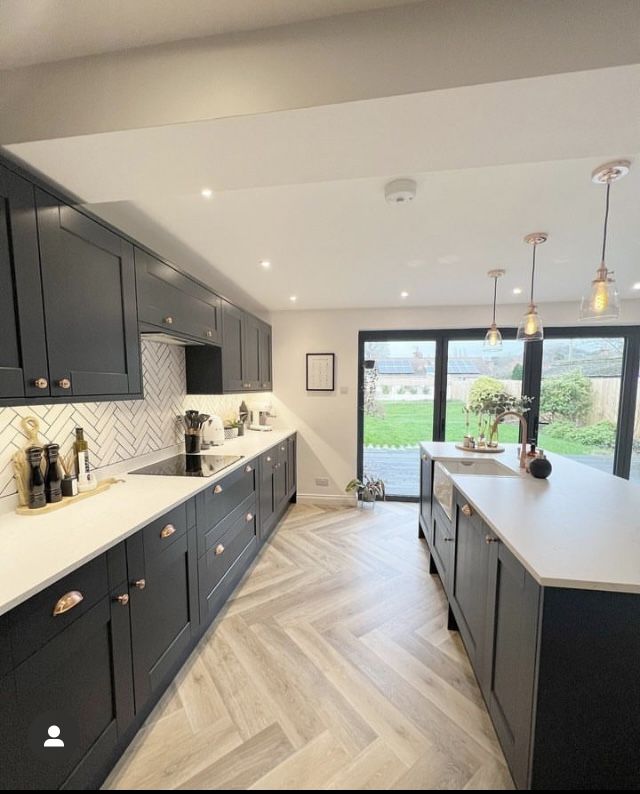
[{"x": 566, "y": 397}]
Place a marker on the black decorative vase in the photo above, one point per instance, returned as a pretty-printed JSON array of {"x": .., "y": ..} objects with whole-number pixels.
[{"x": 540, "y": 467}]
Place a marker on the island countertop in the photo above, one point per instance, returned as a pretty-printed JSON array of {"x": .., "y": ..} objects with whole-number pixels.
[
  {"x": 37, "y": 550},
  {"x": 580, "y": 528}
]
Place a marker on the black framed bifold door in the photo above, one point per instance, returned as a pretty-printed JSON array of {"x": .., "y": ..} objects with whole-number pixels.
[{"x": 414, "y": 386}]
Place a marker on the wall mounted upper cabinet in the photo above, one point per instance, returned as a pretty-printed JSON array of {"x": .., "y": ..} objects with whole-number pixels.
[
  {"x": 175, "y": 304},
  {"x": 243, "y": 364},
  {"x": 23, "y": 352},
  {"x": 89, "y": 293}
]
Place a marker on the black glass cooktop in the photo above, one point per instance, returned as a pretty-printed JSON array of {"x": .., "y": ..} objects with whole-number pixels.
[{"x": 189, "y": 465}]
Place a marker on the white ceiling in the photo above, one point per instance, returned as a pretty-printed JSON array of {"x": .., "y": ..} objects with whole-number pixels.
[
  {"x": 41, "y": 31},
  {"x": 304, "y": 189}
]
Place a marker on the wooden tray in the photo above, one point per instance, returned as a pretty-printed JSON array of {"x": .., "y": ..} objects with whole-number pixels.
[
  {"x": 480, "y": 449},
  {"x": 101, "y": 487}
]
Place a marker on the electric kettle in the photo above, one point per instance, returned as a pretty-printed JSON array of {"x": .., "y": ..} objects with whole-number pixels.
[{"x": 213, "y": 432}]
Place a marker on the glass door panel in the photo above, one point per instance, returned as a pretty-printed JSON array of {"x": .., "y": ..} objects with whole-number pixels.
[
  {"x": 579, "y": 399},
  {"x": 470, "y": 368},
  {"x": 398, "y": 411}
]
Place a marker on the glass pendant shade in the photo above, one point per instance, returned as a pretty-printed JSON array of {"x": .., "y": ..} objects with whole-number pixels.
[
  {"x": 603, "y": 302},
  {"x": 530, "y": 328},
  {"x": 493, "y": 339}
]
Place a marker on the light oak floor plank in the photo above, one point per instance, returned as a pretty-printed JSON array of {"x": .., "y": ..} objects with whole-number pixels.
[{"x": 331, "y": 667}]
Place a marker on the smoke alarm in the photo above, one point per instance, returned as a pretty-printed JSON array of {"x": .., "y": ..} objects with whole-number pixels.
[{"x": 400, "y": 190}]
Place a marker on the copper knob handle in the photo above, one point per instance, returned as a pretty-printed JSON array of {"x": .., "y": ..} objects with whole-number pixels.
[
  {"x": 268, "y": 459},
  {"x": 67, "y": 601},
  {"x": 64, "y": 383},
  {"x": 249, "y": 517},
  {"x": 248, "y": 469},
  {"x": 448, "y": 540},
  {"x": 209, "y": 333},
  {"x": 467, "y": 510},
  {"x": 491, "y": 539},
  {"x": 424, "y": 457},
  {"x": 140, "y": 583},
  {"x": 217, "y": 489},
  {"x": 168, "y": 320},
  {"x": 123, "y": 599},
  {"x": 219, "y": 549},
  {"x": 41, "y": 383},
  {"x": 167, "y": 531}
]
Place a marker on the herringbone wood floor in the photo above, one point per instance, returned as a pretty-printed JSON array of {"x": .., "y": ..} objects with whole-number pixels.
[{"x": 330, "y": 668}]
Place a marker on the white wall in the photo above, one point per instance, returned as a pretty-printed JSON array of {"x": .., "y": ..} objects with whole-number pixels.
[{"x": 327, "y": 422}]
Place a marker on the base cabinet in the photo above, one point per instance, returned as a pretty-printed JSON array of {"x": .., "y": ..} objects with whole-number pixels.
[
  {"x": 130, "y": 619},
  {"x": 426, "y": 487},
  {"x": 557, "y": 667}
]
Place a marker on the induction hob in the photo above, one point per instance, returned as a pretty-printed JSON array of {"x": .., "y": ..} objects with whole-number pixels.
[{"x": 189, "y": 465}]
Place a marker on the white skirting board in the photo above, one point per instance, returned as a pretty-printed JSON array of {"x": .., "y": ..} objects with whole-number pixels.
[{"x": 327, "y": 500}]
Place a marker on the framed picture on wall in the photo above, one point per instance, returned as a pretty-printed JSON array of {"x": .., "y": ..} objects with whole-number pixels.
[{"x": 321, "y": 371}]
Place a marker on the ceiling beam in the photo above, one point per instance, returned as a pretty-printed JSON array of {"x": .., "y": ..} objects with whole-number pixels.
[{"x": 388, "y": 52}]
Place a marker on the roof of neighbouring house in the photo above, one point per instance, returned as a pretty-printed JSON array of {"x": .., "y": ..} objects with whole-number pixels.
[{"x": 410, "y": 366}]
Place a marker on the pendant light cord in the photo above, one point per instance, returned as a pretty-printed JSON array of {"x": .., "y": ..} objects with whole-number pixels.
[
  {"x": 533, "y": 270},
  {"x": 495, "y": 293},
  {"x": 606, "y": 222}
]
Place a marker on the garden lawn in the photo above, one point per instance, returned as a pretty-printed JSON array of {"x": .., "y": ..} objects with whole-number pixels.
[{"x": 406, "y": 424}]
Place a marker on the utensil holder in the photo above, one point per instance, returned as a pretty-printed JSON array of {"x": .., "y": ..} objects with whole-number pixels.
[{"x": 192, "y": 443}]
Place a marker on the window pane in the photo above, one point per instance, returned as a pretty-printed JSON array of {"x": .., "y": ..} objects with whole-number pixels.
[
  {"x": 634, "y": 476},
  {"x": 579, "y": 401},
  {"x": 398, "y": 412},
  {"x": 471, "y": 368}
]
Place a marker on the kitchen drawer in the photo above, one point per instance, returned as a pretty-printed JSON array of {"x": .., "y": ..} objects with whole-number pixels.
[
  {"x": 164, "y": 531},
  {"x": 32, "y": 624},
  {"x": 211, "y": 602},
  {"x": 215, "y": 563},
  {"x": 224, "y": 496},
  {"x": 211, "y": 538}
]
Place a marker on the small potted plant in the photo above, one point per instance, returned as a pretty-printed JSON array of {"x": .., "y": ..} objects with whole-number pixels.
[
  {"x": 231, "y": 429},
  {"x": 369, "y": 489}
]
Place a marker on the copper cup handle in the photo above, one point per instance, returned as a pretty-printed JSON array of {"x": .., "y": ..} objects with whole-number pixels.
[
  {"x": 167, "y": 531},
  {"x": 67, "y": 601}
]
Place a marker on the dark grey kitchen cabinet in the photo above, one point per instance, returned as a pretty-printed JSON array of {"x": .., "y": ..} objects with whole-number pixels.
[
  {"x": 510, "y": 654},
  {"x": 426, "y": 486},
  {"x": 470, "y": 582},
  {"x": 265, "y": 376},
  {"x": 23, "y": 352},
  {"x": 292, "y": 465},
  {"x": 169, "y": 301},
  {"x": 162, "y": 570},
  {"x": 442, "y": 546},
  {"x": 81, "y": 681},
  {"x": 89, "y": 294},
  {"x": 233, "y": 353},
  {"x": 251, "y": 353},
  {"x": 243, "y": 363},
  {"x": 268, "y": 462}
]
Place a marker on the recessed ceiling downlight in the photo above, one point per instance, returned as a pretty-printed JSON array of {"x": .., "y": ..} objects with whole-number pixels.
[
  {"x": 265, "y": 263},
  {"x": 293, "y": 298},
  {"x": 399, "y": 191},
  {"x": 206, "y": 192}
]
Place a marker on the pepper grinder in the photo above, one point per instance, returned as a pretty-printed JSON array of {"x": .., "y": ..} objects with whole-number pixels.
[
  {"x": 52, "y": 479},
  {"x": 36, "y": 480}
]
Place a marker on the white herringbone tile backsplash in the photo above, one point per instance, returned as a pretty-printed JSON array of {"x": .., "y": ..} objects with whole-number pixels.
[{"x": 117, "y": 431}]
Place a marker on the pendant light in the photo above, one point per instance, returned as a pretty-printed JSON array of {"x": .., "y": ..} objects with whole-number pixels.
[
  {"x": 602, "y": 303},
  {"x": 493, "y": 338},
  {"x": 530, "y": 328}
]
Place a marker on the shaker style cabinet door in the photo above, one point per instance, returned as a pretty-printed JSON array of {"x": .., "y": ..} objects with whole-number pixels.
[
  {"x": 89, "y": 291},
  {"x": 161, "y": 561},
  {"x": 251, "y": 365},
  {"x": 233, "y": 356},
  {"x": 264, "y": 357},
  {"x": 81, "y": 682},
  {"x": 426, "y": 474},
  {"x": 23, "y": 350}
]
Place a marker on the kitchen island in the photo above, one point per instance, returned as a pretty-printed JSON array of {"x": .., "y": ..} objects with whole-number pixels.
[{"x": 543, "y": 583}]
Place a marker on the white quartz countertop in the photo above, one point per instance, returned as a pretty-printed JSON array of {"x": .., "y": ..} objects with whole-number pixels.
[
  {"x": 37, "y": 550},
  {"x": 580, "y": 528}
]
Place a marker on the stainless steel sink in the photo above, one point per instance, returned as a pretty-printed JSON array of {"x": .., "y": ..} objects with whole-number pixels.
[{"x": 443, "y": 485}]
